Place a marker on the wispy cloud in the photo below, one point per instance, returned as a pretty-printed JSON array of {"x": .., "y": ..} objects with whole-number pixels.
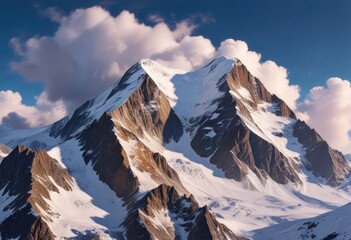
[
  {"x": 53, "y": 13},
  {"x": 155, "y": 18}
]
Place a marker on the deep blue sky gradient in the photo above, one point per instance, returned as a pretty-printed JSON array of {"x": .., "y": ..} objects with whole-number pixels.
[{"x": 310, "y": 38}]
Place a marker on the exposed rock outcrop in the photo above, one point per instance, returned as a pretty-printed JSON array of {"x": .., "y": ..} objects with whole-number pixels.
[
  {"x": 322, "y": 160},
  {"x": 132, "y": 134},
  {"x": 234, "y": 148},
  {"x": 164, "y": 214},
  {"x": 239, "y": 77},
  {"x": 151, "y": 163},
  {"x": 101, "y": 148},
  {"x": 5, "y": 149},
  {"x": 28, "y": 177},
  {"x": 148, "y": 111}
]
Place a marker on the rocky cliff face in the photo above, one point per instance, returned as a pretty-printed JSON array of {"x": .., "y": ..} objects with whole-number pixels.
[
  {"x": 235, "y": 148},
  {"x": 27, "y": 177},
  {"x": 164, "y": 214},
  {"x": 101, "y": 145},
  {"x": 147, "y": 111},
  {"x": 322, "y": 160},
  {"x": 139, "y": 138}
]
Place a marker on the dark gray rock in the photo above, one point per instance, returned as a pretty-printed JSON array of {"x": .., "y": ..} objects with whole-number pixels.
[{"x": 323, "y": 161}]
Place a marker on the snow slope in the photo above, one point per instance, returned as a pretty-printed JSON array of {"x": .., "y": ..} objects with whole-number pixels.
[
  {"x": 94, "y": 206},
  {"x": 91, "y": 205},
  {"x": 239, "y": 208},
  {"x": 190, "y": 93},
  {"x": 331, "y": 225}
]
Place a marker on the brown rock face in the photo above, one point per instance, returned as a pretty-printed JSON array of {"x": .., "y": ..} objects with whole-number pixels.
[
  {"x": 29, "y": 176},
  {"x": 240, "y": 77},
  {"x": 323, "y": 161},
  {"x": 117, "y": 145},
  {"x": 153, "y": 164},
  {"x": 147, "y": 110},
  {"x": 242, "y": 150},
  {"x": 207, "y": 227},
  {"x": 67, "y": 128},
  {"x": 268, "y": 158},
  {"x": 109, "y": 159},
  {"x": 101, "y": 148},
  {"x": 234, "y": 148},
  {"x": 5, "y": 150},
  {"x": 39, "y": 230},
  {"x": 164, "y": 214}
]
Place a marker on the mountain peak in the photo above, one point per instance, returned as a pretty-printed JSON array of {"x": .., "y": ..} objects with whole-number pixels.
[
  {"x": 146, "y": 62},
  {"x": 160, "y": 135}
]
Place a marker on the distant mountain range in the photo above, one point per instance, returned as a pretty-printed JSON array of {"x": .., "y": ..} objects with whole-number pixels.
[{"x": 167, "y": 154}]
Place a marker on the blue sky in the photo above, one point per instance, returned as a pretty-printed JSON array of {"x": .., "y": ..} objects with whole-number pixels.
[
  {"x": 308, "y": 43},
  {"x": 310, "y": 38}
]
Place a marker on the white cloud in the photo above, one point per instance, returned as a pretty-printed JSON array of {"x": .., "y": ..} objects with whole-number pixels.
[
  {"x": 15, "y": 113},
  {"x": 191, "y": 52},
  {"x": 328, "y": 110},
  {"x": 92, "y": 49},
  {"x": 183, "y": 28}
]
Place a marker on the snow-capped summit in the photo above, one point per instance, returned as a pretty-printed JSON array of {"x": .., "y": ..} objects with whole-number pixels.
[{"x": 164, "y": 154}]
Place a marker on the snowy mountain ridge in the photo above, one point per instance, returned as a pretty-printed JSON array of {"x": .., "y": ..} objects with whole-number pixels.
[{"x": 180, "y": 152}]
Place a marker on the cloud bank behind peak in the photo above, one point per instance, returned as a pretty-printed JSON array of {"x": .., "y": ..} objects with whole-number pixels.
[{"x": 91, "y": 49}]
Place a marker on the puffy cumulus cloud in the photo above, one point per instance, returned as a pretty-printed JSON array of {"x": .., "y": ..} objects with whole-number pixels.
[
  {"x": 328, "y": 110},
  {"x": 183, "y": 28},
  {"x": 194, "y": 52},
  {"x": 274, "y": 77},
  {"x": 91, "y": 49},
  {"x": 19, "y": 115}
]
